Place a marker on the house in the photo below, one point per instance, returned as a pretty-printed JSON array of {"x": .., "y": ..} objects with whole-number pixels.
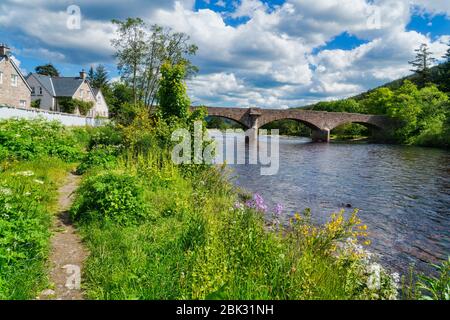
[
  {"x": 101, "y": 108},
  {"x": 51, "y": 92},
  {"x": 14, "y": 89}
]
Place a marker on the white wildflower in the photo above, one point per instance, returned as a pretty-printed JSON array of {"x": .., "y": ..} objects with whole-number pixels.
[
  {"x": 25, "y": 173},
  {"x": 6, "y": 191},
  {"x": 374, "y": 280}
]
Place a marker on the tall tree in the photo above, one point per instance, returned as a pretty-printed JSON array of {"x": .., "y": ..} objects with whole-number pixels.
[
  {"x": 141, "y": 50},
  {"x": 47, "y": 70},
  {"x": 100, "y": 77},
  {"x": 131, "y": 48},
  {"x": 422, "y": 64},
  {"x": 445, "y": 71},
  {"x": 90, "y": 75},
  {"x": 172, "y": 93}
]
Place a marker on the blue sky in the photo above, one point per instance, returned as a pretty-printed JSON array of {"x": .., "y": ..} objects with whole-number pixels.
[{"x": 271, "y": 54}]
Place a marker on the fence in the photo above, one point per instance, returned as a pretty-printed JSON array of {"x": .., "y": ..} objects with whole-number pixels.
[{"x": 67, "y": 119}]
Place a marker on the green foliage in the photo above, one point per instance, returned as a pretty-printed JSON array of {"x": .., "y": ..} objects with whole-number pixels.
[
  {"x": 289, "y": 128},
  {"x": 31, "y": 139},
  {"x": 110, "y": 197},
  {"x": 436, "y": 288},
  {"x": 172, "y": 95},
  {"x": 47, "y": 70},
  {"x": 188, "y": 242},
  {"x": 423, "y": 114},
  {"x": 98, "y": 78},
  {"x": 349, "y": 105},
  {"x": 36, "y": 104},
  {"x": 422, "y": 64},
  {"x": 70, "y": 105},
  {"x": 27, "y": 193},
  {"x": 103, "y": 157}
]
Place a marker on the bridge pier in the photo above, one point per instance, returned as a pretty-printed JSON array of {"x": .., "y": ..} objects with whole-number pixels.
[{"x": 321, "y": 135}]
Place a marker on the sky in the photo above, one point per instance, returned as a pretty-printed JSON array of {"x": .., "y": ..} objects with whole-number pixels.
[{"x": 252, "y": 53}]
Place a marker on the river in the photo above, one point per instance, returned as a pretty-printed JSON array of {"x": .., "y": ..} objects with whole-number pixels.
[{"x": 403, "y": 193}]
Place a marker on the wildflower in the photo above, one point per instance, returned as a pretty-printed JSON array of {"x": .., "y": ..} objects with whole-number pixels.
[
  {"x": 396, "y": 279},
  {"x": 238, "y": 205},
  {"x": 6, "y": 191},
  {"x": 373, "y": 282},
  {"x": 278, "y": 209},
  {"x": 38, "y": 181},
  {"x": 257, "y": 203},
  {"x": 25, "y": 173}
]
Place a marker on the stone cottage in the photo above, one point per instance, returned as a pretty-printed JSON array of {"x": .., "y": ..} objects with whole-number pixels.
[{"x": 14, "y": 89}]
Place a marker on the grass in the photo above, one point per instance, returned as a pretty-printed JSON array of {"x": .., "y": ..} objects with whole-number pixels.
[
  {"x": 28, "y": 198},
  {"x": 195, "y": 244}
]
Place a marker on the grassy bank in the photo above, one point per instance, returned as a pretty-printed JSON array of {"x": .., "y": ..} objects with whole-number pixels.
[
  {"x": 160, "y": 231},
  {"x": 35, "y": 157},
  {"x": 27, "y": 200}
]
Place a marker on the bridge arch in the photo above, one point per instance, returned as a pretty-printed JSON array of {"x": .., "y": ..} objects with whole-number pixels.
[
  {"x": 234, "y": 119},
  {"x": 267, "y": 120}
]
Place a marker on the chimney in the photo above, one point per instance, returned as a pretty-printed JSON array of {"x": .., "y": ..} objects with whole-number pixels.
[
  {"x": 83, "y": 74},
  {"x": 4, "y": 50}
]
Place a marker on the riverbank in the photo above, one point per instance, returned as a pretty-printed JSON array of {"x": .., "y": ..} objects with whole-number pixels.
[
  {"x": 159, "y": 231},
  {"x": 156, "y": 230}
]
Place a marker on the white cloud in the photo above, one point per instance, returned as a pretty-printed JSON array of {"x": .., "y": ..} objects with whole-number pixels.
[{"x": 275, "y": 59}]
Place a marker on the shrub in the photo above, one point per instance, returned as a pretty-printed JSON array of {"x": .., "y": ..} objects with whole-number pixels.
[
  {"x": 31, "y": 139},
  {"x": 110, "y": 197},
  {"x": 69, "y": 105},
  {"x": 107, "y": 135},
  {"x": 104, "y": 157}
]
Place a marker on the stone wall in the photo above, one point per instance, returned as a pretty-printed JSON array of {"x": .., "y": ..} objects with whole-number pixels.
[{"x": 65, "y": 118}]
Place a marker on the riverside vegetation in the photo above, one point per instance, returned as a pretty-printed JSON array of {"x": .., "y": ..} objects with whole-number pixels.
[
  {"x": 160, "y": 231},
  {"x": 156, "y": 230}
]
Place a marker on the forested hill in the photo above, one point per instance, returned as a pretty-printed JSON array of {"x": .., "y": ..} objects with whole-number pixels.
[{"x": 438, "y": 77}]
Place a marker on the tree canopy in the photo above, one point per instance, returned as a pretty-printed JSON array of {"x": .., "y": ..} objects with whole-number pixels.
[{"x": 47, "y": 70}]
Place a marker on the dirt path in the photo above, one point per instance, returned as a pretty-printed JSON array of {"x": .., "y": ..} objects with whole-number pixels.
[{"x": 67, "y": 252}]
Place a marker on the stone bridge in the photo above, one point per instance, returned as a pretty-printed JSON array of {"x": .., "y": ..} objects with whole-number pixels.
[{"x": 320, "y": 122}]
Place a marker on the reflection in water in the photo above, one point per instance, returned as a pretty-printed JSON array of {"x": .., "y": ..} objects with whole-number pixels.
[{"x": 403, "y": 193}]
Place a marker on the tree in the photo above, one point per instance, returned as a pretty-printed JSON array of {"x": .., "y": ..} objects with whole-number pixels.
[
  {"x": 422, "y": 64},
  {"x": 99, "y": 77},
  {"x": 47, "y": 70},
  {"x": 141, "y": 50},
  {"x": 445, "y": 71},
  {"x": 172, "y": 94},
  {"x": 130, "y": 47},
  {"x": 90, "y": 75}
]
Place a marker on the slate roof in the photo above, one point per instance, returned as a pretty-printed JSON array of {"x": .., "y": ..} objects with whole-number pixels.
[
  {"x": 65, "y": 86},
  {"x": 46, "y": 82},
  {"x": 59, "y": 86}
]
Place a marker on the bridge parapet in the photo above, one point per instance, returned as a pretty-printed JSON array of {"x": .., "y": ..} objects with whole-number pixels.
[{"x": 321, "y": 122}]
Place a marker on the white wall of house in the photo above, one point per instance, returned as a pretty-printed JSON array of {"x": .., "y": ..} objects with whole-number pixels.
[
  {"x": 100, "y": 108},
  {"x": 40, "y": 93}
]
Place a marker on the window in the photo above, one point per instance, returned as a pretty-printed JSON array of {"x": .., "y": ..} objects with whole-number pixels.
[
  {"x": 1, "y": 77},
  {"x": 23, "y": 103},
  {"x": 33, "y": 91},
  {"x": 40, "y": 91},
  {"x": 14, "y": 80}
]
